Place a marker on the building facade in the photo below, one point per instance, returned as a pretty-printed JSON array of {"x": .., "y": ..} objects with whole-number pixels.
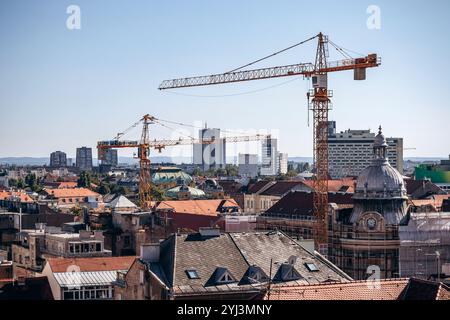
[
  {"x": 58, "y": 159},
  {"x": 269, "y": 160},
  {"x": 84, "y": 158},
  {"x": 110, "y": 158},
  {"x": 210, "y": 155},
  {"x": 349, "y": 152},
  {"x": 248, "y": 165},
  {"x": 366, "y": 239},
  {"x": 282, "y": 163}
]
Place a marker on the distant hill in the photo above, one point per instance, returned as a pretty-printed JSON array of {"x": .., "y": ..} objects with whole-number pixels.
[{"x": 25, "y": 161}]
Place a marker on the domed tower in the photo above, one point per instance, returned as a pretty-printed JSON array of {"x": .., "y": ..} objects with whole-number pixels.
[
  {"x": 380, "y": 191},
  {"x": 367, "y": 241}
]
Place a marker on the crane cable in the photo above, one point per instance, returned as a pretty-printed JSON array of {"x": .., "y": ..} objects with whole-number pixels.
[
  {"x": 120, "y": 134},
  {"x": 346, "y": 50},
  {"x": 173, "y": 129},
  {"x": 232, "y": 94},
  {"x": 340, "y": 50},
  {"x": 273, "y": 54},
  {"x": 197, "y": 127}
]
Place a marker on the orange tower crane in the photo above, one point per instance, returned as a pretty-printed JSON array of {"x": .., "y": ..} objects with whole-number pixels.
[
  {"x": 320, "y": 105},
  {"x": 145, "y": 144}
]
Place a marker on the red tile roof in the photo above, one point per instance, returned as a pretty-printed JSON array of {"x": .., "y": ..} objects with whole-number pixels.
[
  {"x": 388, "y": 289},
  {"x": 336, "y": 185},
  {"x": 355, "y": 290},
  {"x": 199, "y": 207},
  {"x": 434, "y": 200},
  {"x": 91, "y": 264},
  {"x": 6, "y": 195},
  {"x": 71, "y": 192}
]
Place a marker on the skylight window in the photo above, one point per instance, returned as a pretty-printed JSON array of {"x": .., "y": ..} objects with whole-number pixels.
[
  {"x": 311, "y": 267},
  {"x": 192, "y": 274}
]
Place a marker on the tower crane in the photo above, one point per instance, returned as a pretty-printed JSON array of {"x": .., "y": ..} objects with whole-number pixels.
[
  {"x": 319, "y": 104},
  {"x": 144, "y": 145}
]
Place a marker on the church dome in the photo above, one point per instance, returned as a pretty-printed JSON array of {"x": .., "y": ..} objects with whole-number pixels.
[{"x": 380, "y": 179}]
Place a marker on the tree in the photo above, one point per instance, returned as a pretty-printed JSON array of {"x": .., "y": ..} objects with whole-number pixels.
[
  {"x": 21, "y": 184},
  {"x": 157, "y": 193},
  {"x": 32, "y": 182},
  {"x": 84, "y": 181},
  {"x": 306, "y": 167},
  {"x": 232, "y": 170},
  {"x": 103, "y": 189}
]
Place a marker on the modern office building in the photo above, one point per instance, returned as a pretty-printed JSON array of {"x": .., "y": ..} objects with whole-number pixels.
[
  {"x": 282, "y": 163},
  {"x": 58, "y": 159},
  {"x": 248, "y": 165},
  {"x": 84, "y": 158},
  {"x": 349, "y": 152},
  {"x": 211, "y": 155},
  {"x": 269, "y": 166}
]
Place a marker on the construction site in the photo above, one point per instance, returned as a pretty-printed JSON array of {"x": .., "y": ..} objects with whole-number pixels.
[{"x": 171, "y": 173}]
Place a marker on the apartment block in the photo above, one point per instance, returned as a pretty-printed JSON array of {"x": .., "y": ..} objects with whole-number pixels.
[
  {"x": 58, "y": 159},
  {"x": 84, "y": 158},
  {"x": 350, "y": 151}
]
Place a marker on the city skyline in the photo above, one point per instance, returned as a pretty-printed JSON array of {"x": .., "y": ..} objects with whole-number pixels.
[{"x": 70, "y": 88}]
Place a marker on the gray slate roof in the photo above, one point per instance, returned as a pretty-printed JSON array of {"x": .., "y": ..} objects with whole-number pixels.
[{"x": 237, "y": 253}]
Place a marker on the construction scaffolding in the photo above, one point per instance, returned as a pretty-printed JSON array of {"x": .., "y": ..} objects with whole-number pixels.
[{"x": 425, "y": 246}]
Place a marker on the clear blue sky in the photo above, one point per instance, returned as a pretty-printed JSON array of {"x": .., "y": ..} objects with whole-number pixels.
[{"x": 62, "y": 88}]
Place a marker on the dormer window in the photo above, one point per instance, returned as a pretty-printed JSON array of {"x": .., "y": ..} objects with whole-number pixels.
[
  {"x": 226, "y": 277},
  {"x": 254, "y": 274},
  {"x": 287, "y": 272},
  {"x": 221, "y": 276}
]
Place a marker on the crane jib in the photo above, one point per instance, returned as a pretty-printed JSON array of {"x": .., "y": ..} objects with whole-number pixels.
[{"x": 305, "y": 69}]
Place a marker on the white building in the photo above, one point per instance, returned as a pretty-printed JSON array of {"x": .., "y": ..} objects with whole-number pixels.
[
  {"x": 84, "y": 278},
  {"x": 269, "y": 165},
  {"x": 350, "y": 151},
  {"x": 282, "y": 163},
  {"x": 248, "y": 165},
  {"x": 211, "y": 155}
]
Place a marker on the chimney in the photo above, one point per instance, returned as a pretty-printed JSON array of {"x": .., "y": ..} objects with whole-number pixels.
[
  {"x": 84, "y": 234},
  {"x": 98, "y": 235},
  {"x": 150, "y": 252}
]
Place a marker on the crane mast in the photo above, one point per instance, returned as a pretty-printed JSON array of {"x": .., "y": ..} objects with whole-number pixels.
[
  {"x": 320, "y": 105},
  {"x": 320, "y": 108},
  {"x": 144, "y": 164}
]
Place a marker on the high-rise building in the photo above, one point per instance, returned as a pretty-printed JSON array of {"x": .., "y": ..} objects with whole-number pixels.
[
  {"x": 248, "y": 165},
  {"x": 58, "y": 159},
  {"x": 211, "y": 155},
  {"x": 110, "y": 158},
  {"x": 269, "y": 160},
  {"x": 84, "y": 158},
  {"x": 282, "y": 163},
  {"x": 349, "y": 151}
]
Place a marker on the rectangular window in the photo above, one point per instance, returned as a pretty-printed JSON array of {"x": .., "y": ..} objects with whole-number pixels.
[
  {"x": 192, "y": 274},
  {"x": 311, "y": 267}
]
